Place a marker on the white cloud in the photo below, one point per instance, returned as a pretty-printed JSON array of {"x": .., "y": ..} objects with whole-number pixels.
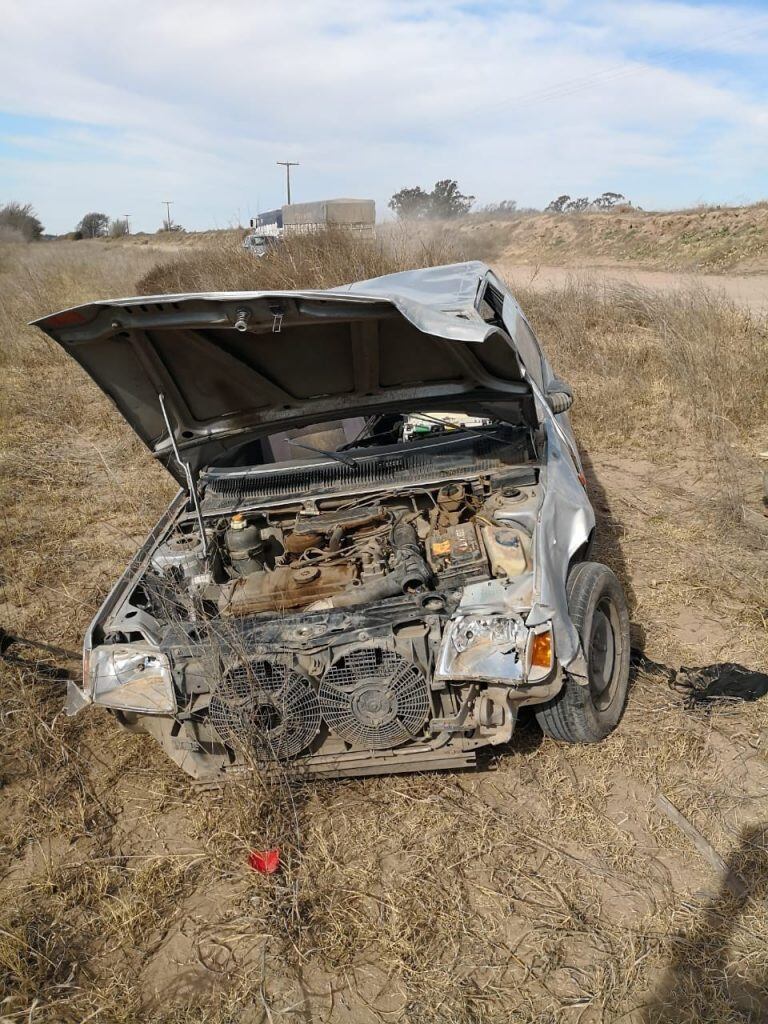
[
  {"x": 689, "y": 27},
  {"x": 196, "y": 101}
]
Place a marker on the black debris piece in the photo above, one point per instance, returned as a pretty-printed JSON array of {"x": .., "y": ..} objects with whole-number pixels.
[{"x": 705, "y": 686}]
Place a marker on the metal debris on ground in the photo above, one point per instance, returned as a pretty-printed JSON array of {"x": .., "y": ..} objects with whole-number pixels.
[{"x": 730, "y": 880}]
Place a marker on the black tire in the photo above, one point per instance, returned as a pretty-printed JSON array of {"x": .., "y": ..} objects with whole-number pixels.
[{"x": 597, "y": 606}]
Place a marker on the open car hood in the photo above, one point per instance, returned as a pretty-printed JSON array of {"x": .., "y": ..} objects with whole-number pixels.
[{"x": 235, "y": 366}]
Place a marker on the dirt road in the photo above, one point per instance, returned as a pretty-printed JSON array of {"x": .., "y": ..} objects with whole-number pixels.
[{"x": 749, "y": 290}]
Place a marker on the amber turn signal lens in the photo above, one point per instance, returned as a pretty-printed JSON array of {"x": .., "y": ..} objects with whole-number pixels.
[{"x": 541, "y": 650}]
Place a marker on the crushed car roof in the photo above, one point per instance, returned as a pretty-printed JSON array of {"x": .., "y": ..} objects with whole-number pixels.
[{"x": 234, "y": 365}]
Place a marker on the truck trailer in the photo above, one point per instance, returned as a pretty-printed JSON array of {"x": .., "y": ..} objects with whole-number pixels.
[{"x": 354, "y": 214}]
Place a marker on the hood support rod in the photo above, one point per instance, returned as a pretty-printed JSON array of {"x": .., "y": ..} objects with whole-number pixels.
[{"x": 187, "y": 473}]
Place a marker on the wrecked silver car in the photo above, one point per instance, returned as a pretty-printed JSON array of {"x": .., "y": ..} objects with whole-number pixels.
[{"x": 379, "y": 552}]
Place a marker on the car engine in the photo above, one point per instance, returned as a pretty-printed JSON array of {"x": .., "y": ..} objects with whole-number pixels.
[{"x": 270, "y": 563}]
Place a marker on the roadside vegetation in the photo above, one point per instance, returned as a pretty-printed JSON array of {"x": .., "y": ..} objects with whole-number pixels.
[
  {"x": 324, "y": 260},
  {"x": 715, "y": 239},
  {"x": 19, "y": 223},
  {"x": 546, "y": 887},
  {"x": 444, "y": 202}
]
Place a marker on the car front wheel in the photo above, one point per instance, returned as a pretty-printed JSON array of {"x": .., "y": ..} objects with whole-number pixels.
[{"x": 597, "y": 606}]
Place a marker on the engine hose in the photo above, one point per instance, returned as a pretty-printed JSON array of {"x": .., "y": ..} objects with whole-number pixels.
[
  {"x": 410, "y": 564},
  {"x": 410, "y": 573}
]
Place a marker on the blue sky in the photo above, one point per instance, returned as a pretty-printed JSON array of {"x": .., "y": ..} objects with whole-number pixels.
[{"x": 116, "y": 106}]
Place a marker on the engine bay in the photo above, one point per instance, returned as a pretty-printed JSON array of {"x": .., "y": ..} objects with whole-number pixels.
[{"x": 342, "y": 553}]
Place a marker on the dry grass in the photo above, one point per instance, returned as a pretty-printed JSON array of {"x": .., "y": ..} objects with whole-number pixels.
[
  {"x": 322, "y": 260},
  {"x": 544, "y": 888},
  {"x": 645, "y": 363}
]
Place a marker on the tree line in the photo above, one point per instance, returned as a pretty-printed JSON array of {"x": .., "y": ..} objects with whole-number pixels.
[
  {"x": 99, "y": 225},
  {"x": 19, "y": 222},
  {"x": 446, "y": 201},
  {"x": 564, "y": 203},
  {"x": 443, "y": 202}
]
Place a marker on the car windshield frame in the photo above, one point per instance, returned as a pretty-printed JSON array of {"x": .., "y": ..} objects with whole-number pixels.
[{"x": 452, "y": 437}]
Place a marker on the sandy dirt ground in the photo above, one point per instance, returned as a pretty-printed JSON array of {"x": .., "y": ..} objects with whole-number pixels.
[{"x": 750, "y": 290}]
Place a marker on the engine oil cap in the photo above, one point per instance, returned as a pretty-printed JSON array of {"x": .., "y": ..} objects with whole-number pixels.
[{"x": 306, "y": 574}]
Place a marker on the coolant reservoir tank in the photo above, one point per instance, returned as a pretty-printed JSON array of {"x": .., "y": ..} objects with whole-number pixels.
[
  {"x": 505, "y": 547},
  {"x": 245, "y": 545}
]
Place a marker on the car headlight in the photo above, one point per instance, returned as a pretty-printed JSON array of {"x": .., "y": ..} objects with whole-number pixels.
[
  {"x": 504, "y": 633},
  {"x": 132, "y": 677},
  {"x": 496, "y": 648}
]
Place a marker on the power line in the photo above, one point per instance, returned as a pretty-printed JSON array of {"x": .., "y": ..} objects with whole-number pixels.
[
  {"x": 569, "y": 86},
  {"x": 288, "y": 164}
]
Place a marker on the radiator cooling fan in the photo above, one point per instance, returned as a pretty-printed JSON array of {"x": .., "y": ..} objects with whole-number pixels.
[
  {"x": 267, "y": 707},
  {"x": 373, "y": 697}
]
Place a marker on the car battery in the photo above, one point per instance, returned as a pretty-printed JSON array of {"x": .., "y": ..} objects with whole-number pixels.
[{"x": 456, "y": 555}]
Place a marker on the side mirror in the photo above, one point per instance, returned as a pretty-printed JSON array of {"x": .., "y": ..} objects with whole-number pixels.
[{"x": 559, "y": 395}]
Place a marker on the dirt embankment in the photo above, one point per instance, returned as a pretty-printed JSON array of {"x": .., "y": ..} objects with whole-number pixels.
[{"x": 714, "y": 239}]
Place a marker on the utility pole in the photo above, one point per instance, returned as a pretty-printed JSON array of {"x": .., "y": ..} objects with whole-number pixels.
[
  {"x": 168, "y": 203},
  {"x": 288, "y": 164},
  {"x": 127, "y": 223}
]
